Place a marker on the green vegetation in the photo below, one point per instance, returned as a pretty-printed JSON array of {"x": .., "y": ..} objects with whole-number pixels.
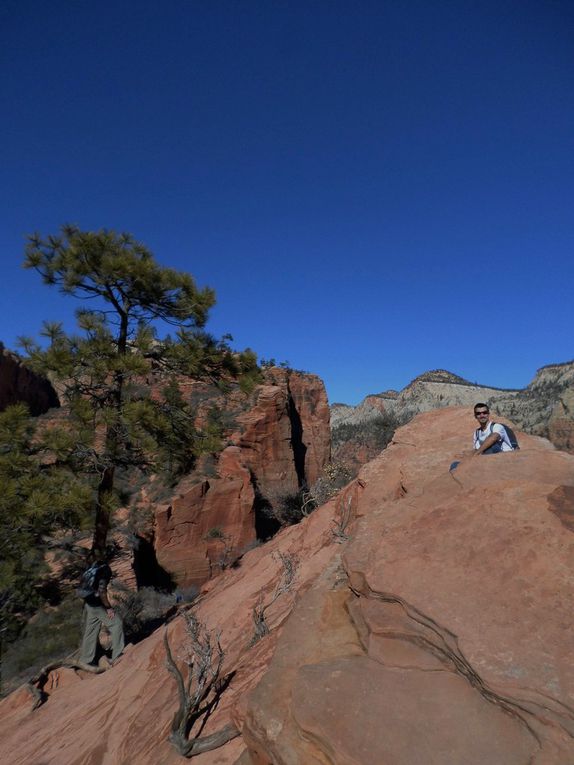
[
  {"x": 214, "y": 533},
  {"x": 52, "y": 634},
  {"x": 39, "y": 502},
  {"x": 114, "y": 423},
  {"x": 376, "y": 433},
  {"x": 140, "y": 333},
  {"x": 178, "y": 442}
]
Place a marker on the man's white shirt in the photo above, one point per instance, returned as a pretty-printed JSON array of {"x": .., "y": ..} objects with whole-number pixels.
[{"x": 480, "y": 436}]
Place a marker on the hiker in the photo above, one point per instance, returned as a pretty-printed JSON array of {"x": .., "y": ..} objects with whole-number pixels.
[
  {"x": 491, "y": 437},
  {"x": 98, "y": 612}
]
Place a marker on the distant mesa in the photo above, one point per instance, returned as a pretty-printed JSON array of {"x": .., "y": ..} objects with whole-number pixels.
[
  {"x": 544, "y": 408},
  {"x": 440, "y": 376}
]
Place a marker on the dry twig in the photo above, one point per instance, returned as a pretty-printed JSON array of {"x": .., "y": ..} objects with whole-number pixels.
[
  {"x": 340, "y": 530},
  {"x": 288, "y": 571}
]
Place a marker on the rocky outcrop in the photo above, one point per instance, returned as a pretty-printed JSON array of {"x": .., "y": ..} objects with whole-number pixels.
[
  {"x": 546, "y": 406},
  {"x": 450, "y": 577},
  {"x": 435, "y": 626},
  {"x": 198, "y": 532},
  {"x": 20, "y": 384},
  {"x": 279, "y": 445}
]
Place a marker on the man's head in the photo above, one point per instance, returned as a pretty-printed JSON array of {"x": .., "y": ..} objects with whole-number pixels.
[{"x": 482, "y": 413}]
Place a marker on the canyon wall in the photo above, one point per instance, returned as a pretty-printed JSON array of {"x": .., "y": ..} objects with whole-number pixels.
[{"x": 279, "y": 445}]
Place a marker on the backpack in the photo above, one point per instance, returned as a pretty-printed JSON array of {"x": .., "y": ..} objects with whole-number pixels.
[
  {"x": 509, "y": 432},
  {"x": 90, "y": 579},
  {"x": 511, "y": 436}
]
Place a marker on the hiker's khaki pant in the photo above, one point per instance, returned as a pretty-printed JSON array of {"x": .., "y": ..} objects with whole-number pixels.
[{"x": 95, "y": 617}]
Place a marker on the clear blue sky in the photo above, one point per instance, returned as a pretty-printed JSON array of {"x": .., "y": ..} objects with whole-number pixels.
[{"x": 373, "y": 188}]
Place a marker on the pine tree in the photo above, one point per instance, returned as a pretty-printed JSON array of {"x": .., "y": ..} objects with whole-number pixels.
[
  {"x": 38, "y": 500},
  {"x": 114, "y": 422}
]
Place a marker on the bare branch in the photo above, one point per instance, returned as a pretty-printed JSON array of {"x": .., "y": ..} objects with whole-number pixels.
[
  {"x": 200, "y": 695},
  {"x": 36, "y": 683},
  {"x": 340, "y": 525},
  {"x": 289, "y": 565}
]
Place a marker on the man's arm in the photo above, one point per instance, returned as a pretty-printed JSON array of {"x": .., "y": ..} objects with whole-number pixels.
[
  {"x": 492, "y": 439},
  {"x": 103, "y": 596}
]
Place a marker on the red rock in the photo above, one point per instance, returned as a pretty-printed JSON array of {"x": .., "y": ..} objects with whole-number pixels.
[
  {"x": 453, "y": 645},
  {"x": 464, "y": 602},
  {"x": 282, "y": 443},
  {"x": 18, "y": 383},
  {"x": 193, "y": 533}
]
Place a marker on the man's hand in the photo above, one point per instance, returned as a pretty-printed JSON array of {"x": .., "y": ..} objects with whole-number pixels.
[{"x": 466, "y": 455}]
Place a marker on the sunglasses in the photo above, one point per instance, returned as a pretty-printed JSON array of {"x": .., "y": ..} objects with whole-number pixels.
[{"x": 477, "y": 414}]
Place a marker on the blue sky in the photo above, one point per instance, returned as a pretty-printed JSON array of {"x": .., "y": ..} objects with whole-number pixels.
[{"x": 373, "y": 189}]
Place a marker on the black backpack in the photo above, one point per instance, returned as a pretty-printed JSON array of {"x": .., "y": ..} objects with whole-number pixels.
[
  {"x": 509, "y": 432},
  {"x": 91, "y": 578}
]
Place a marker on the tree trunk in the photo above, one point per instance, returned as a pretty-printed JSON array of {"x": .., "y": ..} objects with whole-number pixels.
[
  {"x": 106, "y": 485},
  {"x": 103, "y": 512}
]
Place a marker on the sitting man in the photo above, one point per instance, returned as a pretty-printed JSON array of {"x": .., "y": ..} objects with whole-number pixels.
[{"x": 489, "y": 438}]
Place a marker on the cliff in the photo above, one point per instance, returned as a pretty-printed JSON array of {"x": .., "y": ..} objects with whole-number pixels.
[
  {"x": 546, "y": 406},
  {"x": 429, "y": 620},
  {"x": 20, "y": 384},
  {"x": 277, "y": 444}
]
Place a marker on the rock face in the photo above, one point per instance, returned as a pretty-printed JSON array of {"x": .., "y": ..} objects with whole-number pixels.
[
  {"x": 280, "y": 445},
  {"x": 546, "y": 406},
  {"x": 17, "y": 383},
  {"x": 453, "y": 579},
  {"x": 430, "y": 621}
]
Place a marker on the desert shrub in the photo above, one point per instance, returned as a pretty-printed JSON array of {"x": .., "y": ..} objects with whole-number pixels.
[
  {"x": 289, "y": 564},
  {"x": 143, "y": 610},
  {"x": 200, "y": 685},
  {"x": 335, "y": 476},
  {"x": 214, "y": 533},
  {"x": 286, "y": 508},
  {"x": 249, "y": 381},
  {"x": 376, "y": 433},
  {"x": 52, "y": 634}
]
